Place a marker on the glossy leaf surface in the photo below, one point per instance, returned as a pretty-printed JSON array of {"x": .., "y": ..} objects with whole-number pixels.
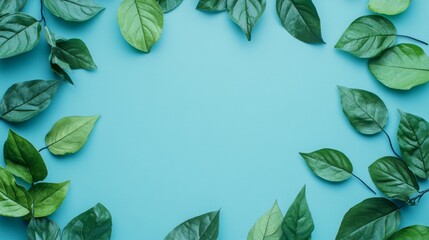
[
  {"x": 268, "y": 227},
  {"x": 43, "y": 229},
  {"x": 11, "y": 6},
  {"x": 48, "y": 197},
  {"x": 212, "y": 5},
  {"x": 246, "y": 13},
  {"x": 73, "y": 10},
  {"x": 169, "y": 5},
  {"x": 388, "y": 7},
  {"x": 415, "y": 232},
  {"x": 203, "y": 227},
  {"x": 14, "y": 199}
]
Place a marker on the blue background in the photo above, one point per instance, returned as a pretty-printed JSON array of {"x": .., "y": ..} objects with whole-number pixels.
[{"x": 208, "y": 120}]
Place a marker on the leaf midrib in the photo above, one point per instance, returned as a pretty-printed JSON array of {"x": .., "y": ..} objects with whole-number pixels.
[
  {"x": 70, "y": 133},
  {"x": 374, "y": 220}
]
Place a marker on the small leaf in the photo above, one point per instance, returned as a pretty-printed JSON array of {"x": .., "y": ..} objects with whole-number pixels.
[
  {"x": 365, "y": 111},
  {"x": 392, "y": 176},
  {"x": 401, "y": 67},
  {"x": 212, "y": 5},
  {"x": 43, "y": 229},
  {"x": 246, "y": 13},
  {"x": 169, "y": 5},
  {"x": 73, "y": 10},
  {"x": 413, "y": 140},
  {"x": 19, "y": 33},
  {"x": 415, "y": 232},
  {"x": 141, "y": 23},
  {"x": 374, "y": 218},
  {"x": 203, "y": 227},
  {"x": 14, "y": 199},
  {"x": 95, "y": 223},
  {"x": 23, "y": 160},
  {"x": 50, "y": 37},
  {"x": 368, "y": 36},
  {"x": 48, "y": 197},
  {"x": 11, "y": 6},
  {"x": 59, "y": 67},
  {"x": 268, "y": 227},
  {"x": 69, "y": 134},
  {"x": 300, "y": 19},
  {"x": 329, "y": 164},
  {"x": 73, "y": 52},
  {"x": 25, "y": 100},
  {"x": 388, "y": 7}
]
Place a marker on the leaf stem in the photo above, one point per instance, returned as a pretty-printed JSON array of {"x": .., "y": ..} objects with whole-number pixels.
[
  {"x": 415, "y": 39},
  {"x": 366, "y": 185},
  {"x": 413, "y": 201},
  {"x": 41, "y": 13},
  {"x": 390, "y": 143},
  {"x": 43, "y": 148}
]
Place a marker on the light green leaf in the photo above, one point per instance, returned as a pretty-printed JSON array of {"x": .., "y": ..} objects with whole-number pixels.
[
  {"x": 374, "y": 218},
  {"x": 43, "y": 229},
  {"x": 23, "y": 160},
  {"x": 212, "y": 5},
  {"x": 268, "y": 227},
  {"x": 246, "y": 13},
  {"x": 365, "y": 111},
  {"x": 95, "y": 223},
  {"x": 415, "y": 232},
  {"x": 11, "y": 6},
  {"x": 401, "y": 67},
  {"x": 203, "y": 227},
  {"x": 19, "y": 33},
  {"x": 388, "y": 7},
  {"x": 25, "y": 100},
  {"x": 73, "y": 10},
  {"x": 300, "y": 19},
  {"x": 73, "y": 52},
  {"x": 50, "y": 37},
  {"x": 48, "y": 197},
  {"x": 413, "y": 140},
  {"x": 368, "y": 36},
  {"x": 141, "y": 23},
  {"x": 14, "y": 199},
  {"x": 169, "y": 5},
  {"x": 69, "y": 134}
]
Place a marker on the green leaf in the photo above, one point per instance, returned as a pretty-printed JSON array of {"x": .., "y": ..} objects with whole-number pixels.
[
  {"x": 415, "y": 232},
  {"x": 25, "y": 100},
  {"x": 401, "y": 67},
  {"x": 59, "y": 67},
  {"x": 169, "y": 5},
  {"x": 388, "y": 7},
  {"x": 73, "y": 10},
  {"x": 73, "y": 52},
  {"x": 14, "y": 199},
  {"x": 365, "y": 111},
  {"x": 246, "y": 13},
  {"x": 50, "y": 37},
  {"x": 48, "y": 197},
  {"x": 413, "y": 140},
  {"x": 374, "y": 218},
  {"x": 300, "y": 19},
  {"x": 95, "y": 223},
  {"x": 392, "y": 176},
  {"x": 141, "y": 23},
  {"x": 212, "y": 5},
  {"x": 23, "y": 160},
  {"x": 19, "y": 33},
  {"x": 368, "y": 36},
  {"x": 298, "y": 223},
  {"x": 329, "y": 164},
  {"x": 69, "y": 134},
  {"x": 203, "y": 227},
  {"x": 268, "y": 227},
  {"x": 11, "y": 6},
  {"x": 43, "y": 229}
]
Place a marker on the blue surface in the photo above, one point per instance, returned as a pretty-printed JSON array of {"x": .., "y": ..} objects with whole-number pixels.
[{"x": 208, "y": 120}]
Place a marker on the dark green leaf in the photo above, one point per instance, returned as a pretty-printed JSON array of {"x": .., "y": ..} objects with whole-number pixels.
[
  {"x": 415, "y": 232},
  {"x": 246, "y": 13},
  {"x": 268, "y": 227},
  {"x": 48, "y": 197},
  {"x": 365, "y": 111},
  {"x": 300, "y": 19},
  {"x": 19, "y": 33},
  {"x": 73, "y": 10},
  {"x": 329, "y": 164},
  {"x": 368, "y": 36},
  {"x": 59, "y": 67},
  {"x": 23, "y": 160},
  {"x": 413, "y": 140},
  {"x": 141, "y": 23},
  {"x": 203, "y": 227},
  {"x": 11, "y": 6},
  {"x": 73, "y": 52},
  {"x": 169, "y": 5},
  {"x": 374, "y": 218},
  {"x": 14, "y": 199},
  {"x": 401, "y": 67},
  {"x": 43, "y": 229},
  {"x": 388, "y": 7},
  {"x": 25, "y": 100},
  {"x": 212, "y": 5},
  {"x": 96, "y": 223}
]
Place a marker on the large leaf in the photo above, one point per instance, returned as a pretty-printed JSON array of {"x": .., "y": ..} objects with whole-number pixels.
[
  {"x": 73, "y": 10},
  {"x": 388, "y": 7},
  {"x": 298, "y": 223},
  {"x": 11, "y": 6},
  {"x": 69, "y": 134},
  {"x": 246, "y": 13},
  {"x": 203, "y": 227},
  {"x": 392, "y": 176},
  {"x": 401, "y": 67},
  {"x": 415, "y": 232},
  {"x": 300, "y": 19},
  {"x": 141, "y": 23},
  {"x": 413, "y": 140},
  {"x": 169, "y": 5},
  {"x": 23, "y": 160},
  {"x": 48, "y": 197},
  {"x": 329, "y": 164},
  {"x": 14, "y": 199},
  {"x": 73, "y": 52},
  {"x": 365, "y": 111},
  {"x": 95, "y": 223},
  {"x": 43, "y": 229},
  {"x": 374, "y": 218},
  {"x": 368, "y": 36},
  {"x": 25, "y": 100},
  {"x": 268, "y": 227},
  {"x": 19, "y": 33},
  {"x": 212, "y": 5}
]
